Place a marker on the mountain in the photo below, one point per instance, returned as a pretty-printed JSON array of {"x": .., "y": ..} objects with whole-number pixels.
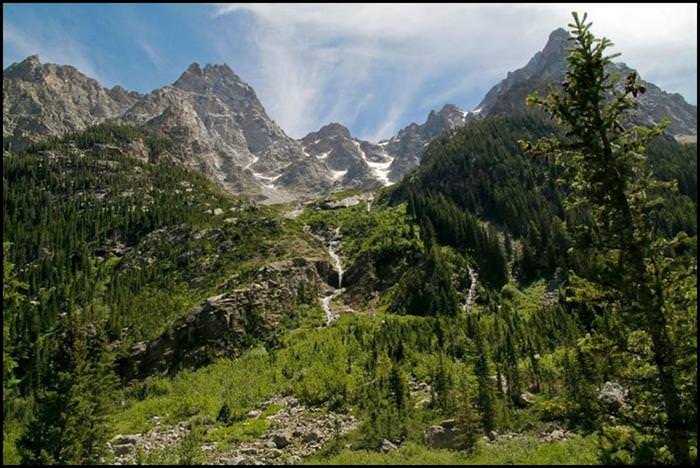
[
  {"x": 224, "y": 131},
  {"x": 408, "y": 145},
  {"x": 354, "y": 163},
  {"x": 47, "y": 99},
  {"x": 221, "y": 128},
  {"x": 546, "y": 67},
  {"x": 549, "y": 67},
  {"x": 152, "y": 317}
]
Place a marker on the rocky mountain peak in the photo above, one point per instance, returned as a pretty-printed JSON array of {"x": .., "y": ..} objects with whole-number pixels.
[
  {"x": 334, "y": 128},
  {"x": 49, "y": 99},
  {"x": 213, "y": 79},
  {"x": 450, "y": 109},
  {"x": 28, "y": 69},
  {"x": 556, "y": 46},
  {"x": 548, "y": 66}
]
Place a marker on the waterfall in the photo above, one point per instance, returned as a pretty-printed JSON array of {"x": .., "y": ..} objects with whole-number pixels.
[
  {"x": 334, "y": 245},
  {"x": 471, "y": 295},
  {"x": 333, "y": 248}
]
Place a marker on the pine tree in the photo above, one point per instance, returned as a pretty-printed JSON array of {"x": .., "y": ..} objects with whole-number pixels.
[
  {"x": 602, "y": 159},
  {"x": 467, "y": 423},
  {"x": 69, "y": 426},
  {"x": 485, "y": 397}
]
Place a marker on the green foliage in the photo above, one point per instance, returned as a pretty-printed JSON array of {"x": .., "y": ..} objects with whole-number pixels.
[
  {"x": 70, "y": 424},
  {"x": 384, "y": 233},
  {"x": 629, "y": 258},
  {"x": 526, "y": 451},
  {"x": 467, "y": 424},
  {"x": 427, "y": 288},
  {"x": 189, "y": 451}
]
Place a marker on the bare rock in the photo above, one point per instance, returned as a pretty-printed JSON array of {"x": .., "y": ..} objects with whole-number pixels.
[
  {"x": 129, "y": 439},
  {"x": 387, "y": 446},
  {"x": 281, "y": 439},
  {"x": 612, "y": 395}
]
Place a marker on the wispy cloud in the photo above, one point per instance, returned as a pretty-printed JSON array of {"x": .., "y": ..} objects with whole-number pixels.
[
  {"x": 152, "y": 54},
  {"x": 319, "y": 63}
]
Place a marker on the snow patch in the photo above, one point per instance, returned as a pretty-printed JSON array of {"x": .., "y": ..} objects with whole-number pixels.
[
  {"x": 379, "y": 170},
  {"x": 323, "y": 156},
  {"x": 253, "y": 161},
  {"x": 336, "y": 175}
]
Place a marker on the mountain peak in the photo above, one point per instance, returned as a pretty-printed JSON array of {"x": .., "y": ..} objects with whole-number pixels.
[
  {"x": 212, "y": 78},
  {"x": 208, "y": 71},
  {"x": 335, "y": 127},
  {"x": 559, "y": 33},
  {"x": 27, "y": 69},
  {"x": 450, "y": 110},
  {"x": 556, "y": 44}
]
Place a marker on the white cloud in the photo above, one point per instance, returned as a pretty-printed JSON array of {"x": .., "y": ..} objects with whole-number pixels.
[{"x": 321, "y": 63}]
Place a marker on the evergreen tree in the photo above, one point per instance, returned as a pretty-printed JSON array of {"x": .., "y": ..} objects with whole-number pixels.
[
  {"x": 69, "y": 426},
  {"x": 467, "y": 424},
  {"x": 602, "y": 159},
  {"x": 485, "y": 397}
]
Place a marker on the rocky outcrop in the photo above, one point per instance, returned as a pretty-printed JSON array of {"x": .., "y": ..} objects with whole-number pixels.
[
  {"x": 228, "y": 323},
  {"x": 443, "y": 435}
]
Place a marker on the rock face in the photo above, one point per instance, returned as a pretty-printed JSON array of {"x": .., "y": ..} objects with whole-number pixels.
[
  {"x": 408, "y": 145},
  {"x": 227, "y": 323},
  {"x": 224, "y": 132},
  {"x": 549, "y": 67},
  {"x": 353, "y": 163},
  {"x": 47, "y": 99}
]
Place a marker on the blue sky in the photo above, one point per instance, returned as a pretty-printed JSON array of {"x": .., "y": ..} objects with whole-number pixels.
[{"x": 372, "y": 68}]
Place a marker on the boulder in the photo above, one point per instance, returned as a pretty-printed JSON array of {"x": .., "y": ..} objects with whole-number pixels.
[
  {"x": 254, "y": 414},
  {"x": 612, "y": 395},
  {"x": 387, "y": 446},
  {"x": 128, "y": 439},
  {"x": 124, "y": 449},
  {"x": 557, "y": 434},
  {"x": 493, "y": 435},
  {"x": 281, "y": 439},
  {"x": 312, "y": 436},
  {"x": 443, "y": 435},
  {"x": 526, "y": 399}
]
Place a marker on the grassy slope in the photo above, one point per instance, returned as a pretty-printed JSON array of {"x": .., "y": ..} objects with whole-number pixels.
[{"x": 317, "y": 364}]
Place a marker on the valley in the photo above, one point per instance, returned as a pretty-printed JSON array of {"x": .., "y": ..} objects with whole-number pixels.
[{"x": 184, "y": 283}]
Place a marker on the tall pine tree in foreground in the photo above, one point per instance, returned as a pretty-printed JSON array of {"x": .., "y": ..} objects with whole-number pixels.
[
  {"x": 604, "y": 164},
  {"x": 69, "y": 425}
]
